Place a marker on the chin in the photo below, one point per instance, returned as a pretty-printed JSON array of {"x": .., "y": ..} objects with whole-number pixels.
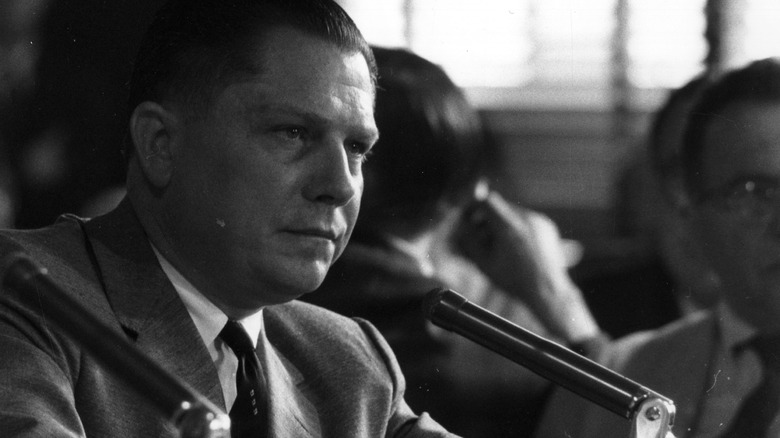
[{"x": 301, "y": 281}]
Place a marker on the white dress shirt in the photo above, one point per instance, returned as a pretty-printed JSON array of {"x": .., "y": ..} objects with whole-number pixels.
[{"x": 210, "y": 320}]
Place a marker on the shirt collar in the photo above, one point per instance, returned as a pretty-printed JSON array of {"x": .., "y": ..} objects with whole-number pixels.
[{"x": 208, "y": 318}]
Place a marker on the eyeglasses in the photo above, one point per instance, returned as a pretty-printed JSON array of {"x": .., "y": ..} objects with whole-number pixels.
[{"x": 754, "y": 200}]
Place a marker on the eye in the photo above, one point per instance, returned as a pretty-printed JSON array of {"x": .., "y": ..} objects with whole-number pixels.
[
  {"x": 360, "y": 150},
  {"x": 291, "y": 132}
]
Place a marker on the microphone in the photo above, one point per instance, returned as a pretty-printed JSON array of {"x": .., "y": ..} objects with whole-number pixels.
[
  {"x": 191, "y": 413},
  {"x": 600, "y": 385}
]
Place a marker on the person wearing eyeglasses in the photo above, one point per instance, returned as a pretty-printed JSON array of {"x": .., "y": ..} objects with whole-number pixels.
[{"x": 720, "y": 366}]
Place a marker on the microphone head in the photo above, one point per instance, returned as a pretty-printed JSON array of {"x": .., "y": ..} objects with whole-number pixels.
[
  {"x": 432, "y": 299},
  {"x": 442, "y": 307}
]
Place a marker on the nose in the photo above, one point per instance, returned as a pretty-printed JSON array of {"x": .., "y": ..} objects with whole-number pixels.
[{"x": 335, "y": 179}]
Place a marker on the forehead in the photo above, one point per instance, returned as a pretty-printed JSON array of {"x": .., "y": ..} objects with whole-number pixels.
[
  {"x": 743, "y": 140},
  {"x": 293, "y": 56},
  {"x": 301, "y": 71}
]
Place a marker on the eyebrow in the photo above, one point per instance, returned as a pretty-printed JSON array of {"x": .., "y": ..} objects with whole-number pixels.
[{"x": 263, "y": 108}]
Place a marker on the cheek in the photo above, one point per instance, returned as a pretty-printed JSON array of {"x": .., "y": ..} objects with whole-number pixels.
[
  {"x": 351, "y": 212},
  {"x": 731, "y": 250},
  {"x": 357, "y": 201}
]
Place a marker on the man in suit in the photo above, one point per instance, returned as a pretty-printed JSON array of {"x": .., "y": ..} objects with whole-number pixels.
[
  {"x": 719, "y": 365},
  {"x": 249, "y": 124}
]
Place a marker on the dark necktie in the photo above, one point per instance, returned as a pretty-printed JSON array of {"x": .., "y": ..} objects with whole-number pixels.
[
  {"x": 759, "y": 409},
  {"x": 248, "y": 416}
]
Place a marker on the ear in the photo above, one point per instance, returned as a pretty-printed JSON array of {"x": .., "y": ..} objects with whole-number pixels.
[{"x": 154, "y": 130}]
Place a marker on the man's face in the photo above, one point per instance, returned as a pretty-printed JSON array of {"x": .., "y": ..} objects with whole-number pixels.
[
  {"x": 266, "y": 186},
  {"x": 743, "y": 146}
]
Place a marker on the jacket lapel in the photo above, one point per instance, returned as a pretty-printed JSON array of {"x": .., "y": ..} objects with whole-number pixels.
[
  {"x": 145, "y": 302},
  {"x": 677, "y": 364},
  {"x": 290, "y": 413},
  {"x": 696, "y": 374}
]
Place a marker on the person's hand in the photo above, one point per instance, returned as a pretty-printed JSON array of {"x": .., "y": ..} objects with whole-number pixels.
[{"x": 521, "y": 251}]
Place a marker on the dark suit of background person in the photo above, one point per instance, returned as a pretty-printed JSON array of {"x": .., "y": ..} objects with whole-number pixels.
[
  {"x": 243, "y": 186},
  {"x": 415, "y": 229},
  {"x": 704, "y": 362}
]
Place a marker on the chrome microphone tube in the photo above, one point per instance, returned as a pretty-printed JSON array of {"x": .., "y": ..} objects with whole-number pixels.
[
  {"x": 190, "y": 412},
  {"x": 552, "y": 361}
]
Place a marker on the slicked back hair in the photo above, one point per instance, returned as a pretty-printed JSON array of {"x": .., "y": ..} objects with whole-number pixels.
[
  {"x": 195, "y": 48},
  {"x": 758, "y": 82}
]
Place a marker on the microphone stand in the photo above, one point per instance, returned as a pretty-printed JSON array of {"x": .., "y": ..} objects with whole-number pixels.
[
  {"x": 652, "y": 414},
  {"x": 192, "y": 414}
]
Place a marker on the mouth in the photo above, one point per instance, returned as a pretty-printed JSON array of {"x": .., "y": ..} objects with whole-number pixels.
[{"x": 317, "y": 233}]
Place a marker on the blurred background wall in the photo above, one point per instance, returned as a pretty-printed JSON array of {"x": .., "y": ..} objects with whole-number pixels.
[{"x": 64, "y": 68}]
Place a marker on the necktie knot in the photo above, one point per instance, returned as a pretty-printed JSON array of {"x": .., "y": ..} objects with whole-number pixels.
[{"x": 234, "y": 335}]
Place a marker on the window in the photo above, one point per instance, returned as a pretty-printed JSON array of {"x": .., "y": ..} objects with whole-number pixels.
[
  {"x": 477, "y": 45},
  {"x": 665, "y": 42},
  {"x": 547, "y": 47},
  {"x": 762, "y": 29}
]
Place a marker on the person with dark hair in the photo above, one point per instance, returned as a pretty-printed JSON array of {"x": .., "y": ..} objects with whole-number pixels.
[
  {"x": 435, "y": 149},
  {"x": 421, "y": 226},
  {"x": 250, "y": 121},
  {"x": 719, "y": 365}
]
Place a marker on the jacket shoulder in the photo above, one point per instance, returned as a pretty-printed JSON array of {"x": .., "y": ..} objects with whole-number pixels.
[
  {"x": 687, "y": 336},
  {"x": 306, "y": 330},
  {"x": 664, "y": 360},
  {"x": 60, "y": 244}
]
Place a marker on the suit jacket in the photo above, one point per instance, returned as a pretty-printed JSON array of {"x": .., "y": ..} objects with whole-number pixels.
[
  {"x": 330, "y": 376},
  {"x": 673, "y": 361}
]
